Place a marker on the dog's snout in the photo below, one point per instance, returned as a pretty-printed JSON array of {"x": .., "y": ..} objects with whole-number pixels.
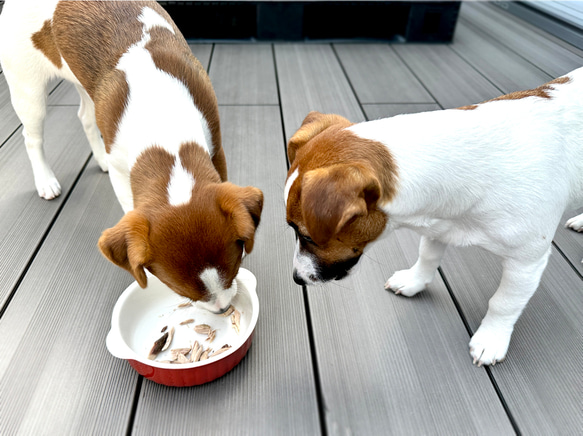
[
  {"x": 298, "y": 279},
  {"x": 223, "y": 310}
]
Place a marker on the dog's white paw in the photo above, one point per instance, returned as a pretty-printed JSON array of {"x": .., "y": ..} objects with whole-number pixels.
[
  {"x": 488, "y": 346},
  {"x": 576, "y": 223},
  {"x": 405, "y": 282},
  {"x": 48, "y": 186},
  {"x": 102, "y": 162}
]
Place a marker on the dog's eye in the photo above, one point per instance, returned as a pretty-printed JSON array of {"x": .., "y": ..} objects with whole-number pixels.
[{"x": 307, "y": 239}]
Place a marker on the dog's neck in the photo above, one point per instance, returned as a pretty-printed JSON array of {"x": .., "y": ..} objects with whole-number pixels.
[{"x": 160, "y": 178}]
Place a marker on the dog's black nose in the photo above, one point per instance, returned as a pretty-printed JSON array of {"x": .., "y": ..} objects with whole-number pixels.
[{"x": 298, "y": 279}]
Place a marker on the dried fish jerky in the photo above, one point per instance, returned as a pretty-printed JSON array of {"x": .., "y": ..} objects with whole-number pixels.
[
  {"x": 211, "y": 336},
  {"x": 235, "y": 320},
  {"x": 187, "y": 321},
  {"x": 203, "y": 329},
  {"x": 205, "y": 354},
  {"x": 185, "y": 304},
  {"x": 168, "y": 339},
  {"x": 221, "y": 350},
  {"x": 158, "y": 346}
]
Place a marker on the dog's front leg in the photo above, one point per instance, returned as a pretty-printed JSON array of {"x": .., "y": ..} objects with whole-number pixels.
[
  {"x": 520, "y": 280},
  {"x": 411, "y": 281}
]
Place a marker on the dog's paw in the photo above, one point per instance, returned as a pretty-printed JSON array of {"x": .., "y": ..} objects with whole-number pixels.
[
  {"x": 48, "y": 187},
  {"x": 405, "y": 282},
  {"x": 488, "y": 346},
  {"x": 576, "y": 223},
  {"x": 102, "y": 162}
]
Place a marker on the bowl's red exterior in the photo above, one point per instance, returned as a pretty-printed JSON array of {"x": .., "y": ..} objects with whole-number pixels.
[{"x": 193, "y": 376}]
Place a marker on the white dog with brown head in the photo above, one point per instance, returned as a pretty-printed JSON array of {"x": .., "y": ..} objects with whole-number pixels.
[{"x": 497, "y": 175}]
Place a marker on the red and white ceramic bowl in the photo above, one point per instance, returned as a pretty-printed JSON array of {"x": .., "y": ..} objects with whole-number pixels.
[{"x": 140, "y": 314}]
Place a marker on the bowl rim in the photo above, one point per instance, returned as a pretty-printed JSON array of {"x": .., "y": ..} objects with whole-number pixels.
[{"x": 120, "y": 349}]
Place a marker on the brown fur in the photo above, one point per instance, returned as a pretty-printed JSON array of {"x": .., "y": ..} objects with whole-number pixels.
[
  {"x": 540, "y": 92},
  {"x": 44, "y": 41},
  {"x": 176, "y": 243},
  {"x": 343, "y": 181}
]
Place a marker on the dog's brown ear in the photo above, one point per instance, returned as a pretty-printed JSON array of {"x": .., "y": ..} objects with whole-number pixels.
[
  {"x": 244, "y": 206},
  {"x": 314, "y": 124},
  {"x": 127, "y": 245},
  {"x": 333, "y": 196}
]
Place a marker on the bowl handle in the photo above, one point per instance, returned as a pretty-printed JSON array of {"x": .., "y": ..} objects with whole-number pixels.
[{"x": 117, "y": 346}]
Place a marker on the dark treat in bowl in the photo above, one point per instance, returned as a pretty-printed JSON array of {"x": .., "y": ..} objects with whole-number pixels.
[{"x": 142, "y": 316}]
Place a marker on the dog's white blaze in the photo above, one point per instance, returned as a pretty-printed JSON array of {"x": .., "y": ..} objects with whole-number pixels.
[
  {"x": 220, "y": 297},
  {"x": 151, "y": 19},
  {"x": 289, "y": 184},
  {"x": 304, "y": 265},
  {"x": 147, "y": 119},
  {"x": 180, "y": 185}
]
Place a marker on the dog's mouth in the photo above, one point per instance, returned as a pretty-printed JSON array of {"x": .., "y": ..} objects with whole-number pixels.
[{"x": 326, "y": 273}]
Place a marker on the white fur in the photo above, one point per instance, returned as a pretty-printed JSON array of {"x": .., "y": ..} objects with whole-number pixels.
[
  {"x": 28, "y": 72},
  {"x": 499, "y": 177},
  {"x": 163, "y": 114},
  {"x": 180, "y": 185},
  {"x": 290, "y": 181},
  {"x": 148, "y": 119},
  {"x": 220, "y": 298}
]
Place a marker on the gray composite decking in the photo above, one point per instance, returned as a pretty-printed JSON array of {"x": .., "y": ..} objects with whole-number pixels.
[{"x": 344, "y": 358}]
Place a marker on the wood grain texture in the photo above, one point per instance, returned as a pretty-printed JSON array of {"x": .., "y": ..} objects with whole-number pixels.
[
  {"x": 310, "y": 78},
  {"x": 450, "y": 79},
  {"x": 379, "y": 76},
  {"x": 376, "y": 111},
  {"x": 497, "y": 62},
  {"x": 244, "y": 74},
  {"x": 540, "y": 379},
  {"x": 202, "y": 52},
  {"x": 537, "y": 47},
  {"x": 570, "y": 242},
  {"x": 25, "y": 215},
  {"x": 54, "y": 330},
  {"x": 397, "y": 365},
  {"x": 9, "y": 122},
  {"x": 272, "y": 391}
]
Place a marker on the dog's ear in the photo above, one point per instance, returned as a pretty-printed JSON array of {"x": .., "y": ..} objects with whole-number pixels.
[
  {"x": 244, "y": 206},
  {"x": 333, "y": 196},
  {"x": 314, "y": 124},
  {"x": 127, "y": 245}
]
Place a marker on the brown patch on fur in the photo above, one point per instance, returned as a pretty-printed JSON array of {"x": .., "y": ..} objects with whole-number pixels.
[
  {"x": 343, "y": 181},
  {"x": 82, "y": 24},
  {"x": 44, "y": 41},
  {"x": 540, "y": 92},
  {"x": 150, "y": 177},
  {"x": 126, "y": 245},
  {"x": 197, "y": 161},
  {"x": 172, "y": 55},
  {"x": 110, "y": 99}
]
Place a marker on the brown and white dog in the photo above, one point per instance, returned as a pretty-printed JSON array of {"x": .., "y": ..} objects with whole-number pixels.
[
  {"x": 144, "y": 91},
  {"x": 497, "y": 175}
]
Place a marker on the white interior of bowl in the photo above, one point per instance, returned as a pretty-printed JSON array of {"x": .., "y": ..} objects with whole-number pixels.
[{"x": 140, "y": 314}]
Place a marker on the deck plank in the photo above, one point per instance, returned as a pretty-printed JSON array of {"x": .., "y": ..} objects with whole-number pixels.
[
  {"x": 244, "y": 74},
  {"x": 272, "y": 391},
  {"x": 9, "y": 122},
  {"x": 310, "y": 78},
  {"x": 375, "y": 111},
  {"x": 539, "y": 380},
  {"x": 373, "y": 348},
  {"x": 379, "y": 76},
  {"x": 399, "y": 366},
  {"x": 24, "y": 216},
  {"x": 498, "y": 63},
  {"x": 570, "y": 242},
  {"x": 450, "y": 79},
  {"x": 54, "y": 330},
  {"x": 537, "y": 47}
]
